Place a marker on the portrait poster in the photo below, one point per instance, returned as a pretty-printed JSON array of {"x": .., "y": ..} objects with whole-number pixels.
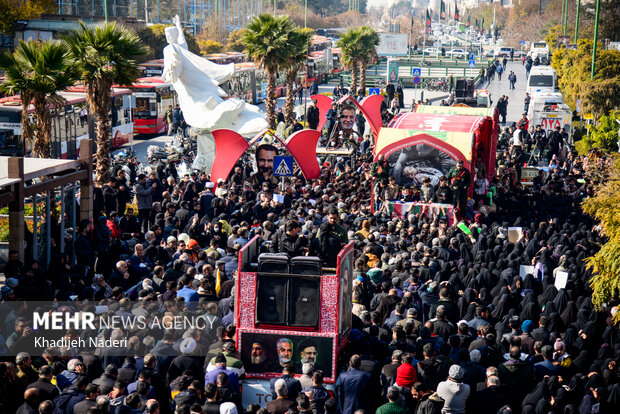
[
  {"x": 264, "y": 353},
  {"x": 345, "y": 272}
]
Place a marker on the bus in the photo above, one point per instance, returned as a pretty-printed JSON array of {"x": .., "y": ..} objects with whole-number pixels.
[
  {"x": 152, "y": 68},
  {"x": 71, "y": 123},
  {"x": 153, "y": 97},
  {"x": 226, "y": 58},
  {"x": 250, "y": 83},
  {"x": 319, "y": 65}
]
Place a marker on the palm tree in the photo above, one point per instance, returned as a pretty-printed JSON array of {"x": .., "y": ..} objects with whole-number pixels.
[
  {"x": 37, "y": 70},
  {"x": 349, "y": 43},
  {"x": 298, "y": 50},
  {"x": 369, "y": 40},
  {"x": 267, "y": 41},
  {"x": 104, "y": 55}
]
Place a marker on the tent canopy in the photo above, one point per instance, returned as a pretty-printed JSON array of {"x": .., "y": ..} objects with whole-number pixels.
[{"x": 451, "y": 133}]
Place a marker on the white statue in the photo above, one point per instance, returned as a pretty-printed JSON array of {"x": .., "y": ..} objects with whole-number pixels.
[{"x": 196, "y": 82}]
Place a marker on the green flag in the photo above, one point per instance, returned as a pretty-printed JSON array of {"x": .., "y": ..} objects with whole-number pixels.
[{"x": 442, "y": 11}]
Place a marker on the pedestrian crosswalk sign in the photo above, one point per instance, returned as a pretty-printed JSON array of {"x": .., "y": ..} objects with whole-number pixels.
[
  {"x": 472, "y": 63},
  {"x": 416, "y": 72},
  {"x": 374, "y": 91},
  {"x": 283, "y": 165}
]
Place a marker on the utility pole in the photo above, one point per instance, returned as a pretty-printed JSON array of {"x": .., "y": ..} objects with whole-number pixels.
[
  {"x": 565, "y": 17},
  {"x": 562, "y": 18},
  {"x": 577, "y": 20},
  {"x": 598, "y": 8}
]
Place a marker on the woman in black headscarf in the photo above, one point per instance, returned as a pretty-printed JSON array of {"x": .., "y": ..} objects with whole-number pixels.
[
  {"x": 561, "y": 300},
  {"x": 471, "y": 312},
  {"x": 483, "y": 297},
  {"x": 549, "y": 309},
  {"x": 548, "y": 295},
  {"x": 502, "y": 307},
  {"x": 530, "y": 311},
  {"x": 469, "y": 296},
  {"x": 569, "y": 314},
  {"x": 498, "y": 287}
]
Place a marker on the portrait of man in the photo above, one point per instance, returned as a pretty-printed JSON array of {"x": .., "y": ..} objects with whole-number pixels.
[
  {"x": 264, "y": 161},
  {"x": 257, "y": 361},
  {"x": 284, "y": 350},
  {"x": 308, "y": 352},
  {"x": 267, "y": 353}
]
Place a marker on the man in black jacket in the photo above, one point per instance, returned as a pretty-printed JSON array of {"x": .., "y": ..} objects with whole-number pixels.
[
  {"x": 292, "y": 243},
  {"x": 47, "y": 390},
  {"x": 312, "y": 115}
]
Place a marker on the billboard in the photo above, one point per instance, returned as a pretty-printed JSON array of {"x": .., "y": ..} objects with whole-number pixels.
[
  {"x": 411, "y": 165},
  {"x": 264, "y": 353},
  {"x": 345, "y": 270},
  {"x": 392, "y": 44}
]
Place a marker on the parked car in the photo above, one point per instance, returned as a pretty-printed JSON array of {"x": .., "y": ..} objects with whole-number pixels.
[
  {"x": 431, "y": 51},
  {"x": 457, "y": 53}
]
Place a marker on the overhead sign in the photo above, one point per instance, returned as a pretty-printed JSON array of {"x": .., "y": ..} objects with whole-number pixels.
[
  {"x": 416, "y": 80},
  {"x": 472, "y": 63},
  {"x": 283, "y": 165},
  {"x": 392, "y": 44},
  {"x": 374, "y": 91},
  {"x": 416, "y": 72}
]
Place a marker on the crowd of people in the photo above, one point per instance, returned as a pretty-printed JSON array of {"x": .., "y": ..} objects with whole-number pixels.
[{"x": 445, "y": 318}]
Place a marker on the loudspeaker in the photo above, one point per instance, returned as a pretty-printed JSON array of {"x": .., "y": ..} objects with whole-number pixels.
[
  {"x": 271, "y": 300},
  {"x": 273, "y": 263},
  {"x": 306, "y": 265},
  {"x": 304, "y": 300}
]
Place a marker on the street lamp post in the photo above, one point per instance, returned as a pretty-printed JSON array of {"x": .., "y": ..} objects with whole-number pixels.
[
  {"x": 577, "y": 20},
  {"x": 306, "y": 13},
  {"x": 598, "y": 7},
  {"x": 563, "y": 8},
  {"x": 565, "y": 17},
  {"x": 275, "y": 14}
]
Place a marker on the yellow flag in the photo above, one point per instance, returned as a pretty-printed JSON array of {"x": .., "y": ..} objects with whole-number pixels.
[{"x": 218, "y": 282}]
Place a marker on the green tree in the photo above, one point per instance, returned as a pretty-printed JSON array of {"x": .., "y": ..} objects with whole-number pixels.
[
  {"x": 104, "y": 55},
  {"x": 369, "y": 41},
  {"x": 210, "y": 46},
  {"x": 154, "y": 37},
  {"x": 605, "y": 207},
  {"x": 358, "y": 45},
  {"x": 235, "y": 43},
  {"x": 37, "y": 71},
  {"x": 11, "y": 10},
  {"x": 350, "y": 45},
  {"x": 267, "y": 41},
  {"x": 298, "y": 50},
  {"x": 598, "y": 95},
  {"x": 603, "y": 136}
]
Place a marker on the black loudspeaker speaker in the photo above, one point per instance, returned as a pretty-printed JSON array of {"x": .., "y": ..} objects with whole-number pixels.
[
  {"x": 306, "y": 265},
  {"x": 271, "y": 300},
  {"x": 273, "y": 263},
  {"x": 304, "y": 301}
]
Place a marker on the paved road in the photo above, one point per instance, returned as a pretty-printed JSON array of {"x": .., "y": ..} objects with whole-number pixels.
[{"x": 515, "y": 96}]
